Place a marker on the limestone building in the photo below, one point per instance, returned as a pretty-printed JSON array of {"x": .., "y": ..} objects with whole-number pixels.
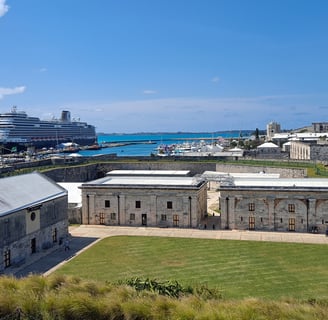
[
  {"x": 320, "y": 126},
  {"x": 145, "y": 198},
  {"x": 301, "y": 150},
  {"x": 268, "y": 150},
  {"x": 299, "y": 205},
  {"x": 33, "y": 217},
  {"x": 272, "y": 128}
]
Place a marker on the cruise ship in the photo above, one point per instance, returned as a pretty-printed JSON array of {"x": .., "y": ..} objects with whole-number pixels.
[{"x": 19, "y": 131}]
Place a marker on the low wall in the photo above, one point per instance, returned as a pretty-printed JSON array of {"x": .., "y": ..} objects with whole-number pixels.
[
  {"x": 284, "y": 172},
  {"x": 72, "y": 172},
  {"x": 89, "y": 172}
]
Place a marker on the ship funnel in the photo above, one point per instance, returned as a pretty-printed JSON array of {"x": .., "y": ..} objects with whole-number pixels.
[{"x": 66, "y": 116}]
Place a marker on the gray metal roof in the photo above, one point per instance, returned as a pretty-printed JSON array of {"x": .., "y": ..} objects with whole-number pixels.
[
  {"x": 147, "y": 181},
  {"x": 285, "y": 182},
  {"x": 277, "y": 184},
  {"x": 23, "y": 191},
  {"x": 240, "y": 175}
]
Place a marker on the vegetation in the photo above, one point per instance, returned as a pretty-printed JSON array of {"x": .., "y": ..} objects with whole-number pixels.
[
  {"x": 62, "y": 297},
  {"x": 238, "y": 269}
]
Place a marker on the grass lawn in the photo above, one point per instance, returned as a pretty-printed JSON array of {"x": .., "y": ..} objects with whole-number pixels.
[{"x": 239, "y": 268}]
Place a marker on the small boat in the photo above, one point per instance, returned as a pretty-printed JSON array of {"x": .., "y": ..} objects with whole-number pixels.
[
  {"x": 200, "y": 148},
  {"x": 95, "y": 146},
  {"x": 69, "y": 147}
]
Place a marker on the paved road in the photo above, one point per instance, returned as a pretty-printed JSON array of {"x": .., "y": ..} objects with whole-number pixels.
[{"x": 84, "y": 236}]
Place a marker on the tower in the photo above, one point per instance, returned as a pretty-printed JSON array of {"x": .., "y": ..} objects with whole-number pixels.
[{"x": 272, "y": 128}]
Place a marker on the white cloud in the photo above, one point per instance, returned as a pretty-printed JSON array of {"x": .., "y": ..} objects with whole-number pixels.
[
  {"x": 3, "y": 8},
  {"x": 215, "y": 79},
  {"x": 149, "y": 92},
  {"x": 43, "y": 70},
  {"x": 9, "y": 91}
]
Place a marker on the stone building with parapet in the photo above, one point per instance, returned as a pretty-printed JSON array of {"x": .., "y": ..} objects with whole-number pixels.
[
  {"x": 272, "y": 128},
  {"x": 33, "y": 218},
  {"x": 159, "y": 198},
  {"x": 301, "y": 150},
  {"x": 296, "y": 205},
  {"x": 320, "y": 127}
]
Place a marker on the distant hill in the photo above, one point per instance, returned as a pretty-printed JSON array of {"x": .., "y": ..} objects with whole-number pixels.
[{"x": 177, "y": 132}]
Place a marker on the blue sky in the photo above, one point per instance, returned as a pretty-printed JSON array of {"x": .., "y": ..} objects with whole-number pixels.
[{"x": 167, "y": 65}]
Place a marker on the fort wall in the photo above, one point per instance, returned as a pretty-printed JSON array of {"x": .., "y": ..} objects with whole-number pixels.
[{"x": 83, "y": 172}]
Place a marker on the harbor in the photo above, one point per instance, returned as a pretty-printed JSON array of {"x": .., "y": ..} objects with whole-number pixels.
[{"x": 118, "y": 145}]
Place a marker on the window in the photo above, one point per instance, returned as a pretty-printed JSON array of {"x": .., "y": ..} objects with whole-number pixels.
[
  {"x": 251, "y": 206},
  {"x": 261, "y": 219},
  {"x": 280, "y": 220},
  {"x": 241, "y": 219},
  {"x": 113, "y": 216},
  {"x": 291, "y": 208},
  {"x": 107, "y": 203},
  {"x": 138, "y": 204},
  {"x": 54, "y": 235},
  {"x": 102, "y": 218},
  {"x": 169, "y": 205},
  {"x": 33, "y": 216},
  {"x": 163, "y": 217},
  {"x": 132, "y": 216},
  {"x": 33, "y": 245},
  {"x": 7, "y": 258}
]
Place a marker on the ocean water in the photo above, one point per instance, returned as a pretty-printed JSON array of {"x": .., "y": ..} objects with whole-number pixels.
[{"x": 146, "y": 144}]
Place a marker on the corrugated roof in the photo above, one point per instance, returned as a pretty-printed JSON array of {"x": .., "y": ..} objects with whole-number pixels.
[{"x": 23, "y": 191}]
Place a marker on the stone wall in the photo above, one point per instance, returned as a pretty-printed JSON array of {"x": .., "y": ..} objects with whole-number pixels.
[
  {"x": 319, "y": 152},
  {"x": 284, "y": 172},
  {"x": 91, "y": 172},
  {"x": 81, "y": 173},
  {"x": 118, "y": 206},
  {"x": 72, "y": 172},
  {"x": 48, "y": 226},
  {"x": 274, "y": 209},
  {"x": 75, "y": 214}
]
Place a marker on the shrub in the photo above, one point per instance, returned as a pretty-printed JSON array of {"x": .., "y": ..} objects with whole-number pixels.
[{"x": 165, "y": 288}]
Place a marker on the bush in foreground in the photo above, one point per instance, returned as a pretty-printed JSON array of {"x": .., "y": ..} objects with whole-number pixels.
[{"x": 60, "y": 297}]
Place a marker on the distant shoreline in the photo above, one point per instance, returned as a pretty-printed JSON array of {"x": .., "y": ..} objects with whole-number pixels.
[{"x": 178, "y": 132}]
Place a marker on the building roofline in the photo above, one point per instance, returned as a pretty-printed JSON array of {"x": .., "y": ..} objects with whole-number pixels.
[{"x": 35, "y": 203}]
